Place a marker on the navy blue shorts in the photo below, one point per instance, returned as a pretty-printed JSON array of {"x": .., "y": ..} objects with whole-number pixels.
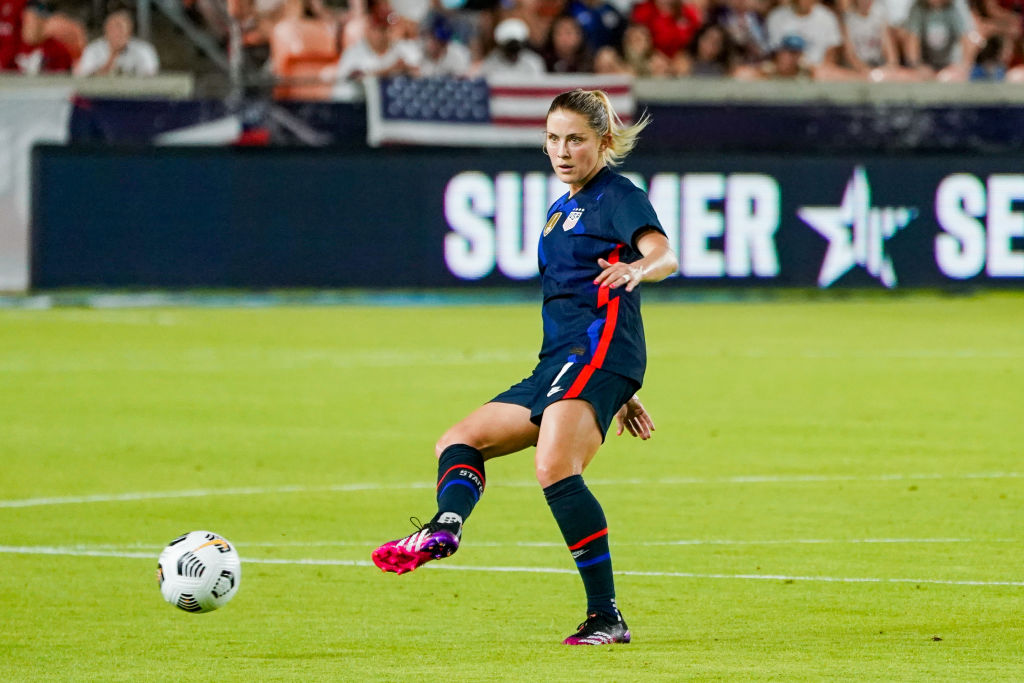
[{"x": 550, "y": 382}]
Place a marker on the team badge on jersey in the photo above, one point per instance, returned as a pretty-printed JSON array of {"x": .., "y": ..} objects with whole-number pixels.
[
  {"x": 572, "y": 219},
  {"x": 551, "y": 222}
]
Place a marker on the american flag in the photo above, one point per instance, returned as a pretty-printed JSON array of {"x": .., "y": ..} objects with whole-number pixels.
[{"x": 498, "y": 112}]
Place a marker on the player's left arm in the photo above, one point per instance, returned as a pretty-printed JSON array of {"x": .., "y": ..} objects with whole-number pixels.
[
  {"x": 634, "y": 417},
  {"x": 656, "y": 264}
]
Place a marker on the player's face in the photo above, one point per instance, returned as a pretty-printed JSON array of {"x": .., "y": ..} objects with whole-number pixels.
[{"x": 574, "y": 148}]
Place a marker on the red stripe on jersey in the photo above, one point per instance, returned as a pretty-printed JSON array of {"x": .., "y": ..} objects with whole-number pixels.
[
  {"x": 465, "y": 467},
  {"x": 581, "y": 381},
  {"x": 606, "y": 334},
  {"x": 612, "y": 317},
  {"x": 602, "y": 292},
  {"x": 588, "y": 539}
]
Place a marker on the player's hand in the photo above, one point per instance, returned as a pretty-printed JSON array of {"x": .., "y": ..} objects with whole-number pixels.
[
  {"x": 615, "y": 275},
  {"x": 634, "y": 417}
]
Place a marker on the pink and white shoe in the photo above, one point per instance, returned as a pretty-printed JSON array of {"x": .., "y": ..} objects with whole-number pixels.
[{"x": 431, "y": 541}]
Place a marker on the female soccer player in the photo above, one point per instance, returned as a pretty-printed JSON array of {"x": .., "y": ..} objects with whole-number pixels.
[{"x": 601, "y": 240}]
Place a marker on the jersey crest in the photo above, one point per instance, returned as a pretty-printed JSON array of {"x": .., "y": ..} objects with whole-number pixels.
[
  {"x": 572, "y": 219},
  {"x": 551, "y": 222}
]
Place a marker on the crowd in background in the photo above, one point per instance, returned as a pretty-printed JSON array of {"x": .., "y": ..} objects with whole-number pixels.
[
  {"x": 35, "y": 39},
  {"x": 850, "y": 40}
]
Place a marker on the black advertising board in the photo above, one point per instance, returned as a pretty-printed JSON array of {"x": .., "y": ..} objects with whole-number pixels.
[{"x": 222, "y": 217}]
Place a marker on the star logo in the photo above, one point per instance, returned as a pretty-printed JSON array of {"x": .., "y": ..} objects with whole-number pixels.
[{"x": 857, "y": 232}]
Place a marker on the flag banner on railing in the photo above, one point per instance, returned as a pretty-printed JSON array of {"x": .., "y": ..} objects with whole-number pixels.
[{"x": 505, "y": 111}]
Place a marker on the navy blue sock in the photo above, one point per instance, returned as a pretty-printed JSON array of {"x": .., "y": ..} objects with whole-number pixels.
[
  {"x": 585, "y": 531},
  {"x": 460, "y": 480}
]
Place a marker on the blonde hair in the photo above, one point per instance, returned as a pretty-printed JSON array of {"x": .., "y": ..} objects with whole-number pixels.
[{"x": 596, "y": 108}]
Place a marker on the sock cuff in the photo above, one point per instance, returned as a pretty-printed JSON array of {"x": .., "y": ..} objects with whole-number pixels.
[
  {"x": 459, "y": 457},
  {"x": 463, "y": 453},
  {"x": 565, "y": 487}
]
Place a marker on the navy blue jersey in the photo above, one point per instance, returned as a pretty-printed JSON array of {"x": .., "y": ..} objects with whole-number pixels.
[{"x": 582, "y": 322}]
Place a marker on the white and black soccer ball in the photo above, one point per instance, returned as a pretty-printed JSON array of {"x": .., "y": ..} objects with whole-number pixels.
[{"x": 199, "y": 572}]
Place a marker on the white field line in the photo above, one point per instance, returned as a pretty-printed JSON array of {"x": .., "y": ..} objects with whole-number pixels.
[
  {"x": 382, "y": 486},
  {"x": 216, "y": 361},
  {"x": 49, "y": 550},
  {"x": 202, "y": 493}
]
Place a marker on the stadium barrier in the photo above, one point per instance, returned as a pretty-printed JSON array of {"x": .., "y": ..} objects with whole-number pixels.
[
  {"x": 27, "y": 116},
  {"x": 267, "y": 218},
  {"x": 39, "y": 109}
]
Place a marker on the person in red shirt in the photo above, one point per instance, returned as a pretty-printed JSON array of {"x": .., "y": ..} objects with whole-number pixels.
[
  {"x": 10, "y": 24},
  {"x": 672, "y": 23},
  {"x": 36, "y": 52}
]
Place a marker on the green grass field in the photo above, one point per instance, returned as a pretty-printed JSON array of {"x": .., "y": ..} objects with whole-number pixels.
[{"x": 835, "y": 491}]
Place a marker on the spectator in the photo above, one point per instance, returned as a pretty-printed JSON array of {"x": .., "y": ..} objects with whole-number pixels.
[
  {"x": 785, "y": 63},
  {"x": 538, "y": 15},
  {"x": 745, "y": 28},
  {"x": 404, "y": 35},
  {"x": 639, "y": 55},
  {"x": 1000, "y": 28},
  {"x": 608, "y": 61},
  {"x": 363, "y": 12},
  {"x": 481, "y": 42},
  {"x": 10, "y": 26},
  {"x": 463, "y": 26},
  {"x": 511, "y": 56},
  {"x": 566, "y": 51},
  {"x": 898, "y": 11},
  {"x": 376, "y": 55},
  {"x": 117, "y": 52},
  {"x": 257, "y": 19},
  {"x": 37, "y": 53},
  {"x": 710, "y": 54},
  {"x": 413, "y": 10},
  {"x": 602, "y": 24},
  {"x": 939, "y": 40},
  {"x": 819, "y": 29},
  {"x": 990, "y": 64},
  {"x": 869, "y": 46},
  {"x": 443, "y": 56},
  {"x": 672, "y": 23}
]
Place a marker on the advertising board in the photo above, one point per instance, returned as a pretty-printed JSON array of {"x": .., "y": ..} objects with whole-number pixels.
[{"x": 426, "y": 218}]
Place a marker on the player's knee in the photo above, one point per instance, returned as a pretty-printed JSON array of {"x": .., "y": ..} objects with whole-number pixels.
[
  {"x": 548, "y": 474},
  {"x": 442, "y": 443},
  {"x": 452, "y": 437}
]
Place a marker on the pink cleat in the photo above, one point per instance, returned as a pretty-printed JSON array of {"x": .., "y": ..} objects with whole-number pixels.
[{"x": 431, "y": 541}]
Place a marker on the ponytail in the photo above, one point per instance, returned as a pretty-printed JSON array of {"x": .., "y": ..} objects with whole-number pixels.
[{"x": 596, "y": 108}]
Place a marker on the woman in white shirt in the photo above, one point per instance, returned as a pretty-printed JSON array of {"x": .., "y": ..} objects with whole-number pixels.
[{"x": 117, "y": 52}]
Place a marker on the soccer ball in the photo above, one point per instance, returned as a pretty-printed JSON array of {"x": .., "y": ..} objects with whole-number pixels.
[{"x": 199, "y": 572}]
